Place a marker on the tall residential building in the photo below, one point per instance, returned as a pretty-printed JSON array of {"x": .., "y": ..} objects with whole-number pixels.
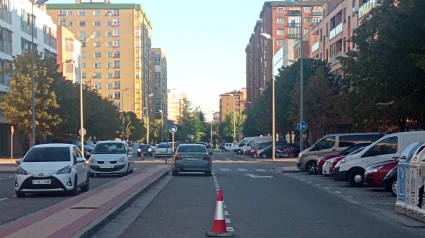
[
  {"x": 69, "y": 50},
  {"x": 282, "y": 21},
  {"x": 159, "y": 85},
  {"x": 175, "y": 104},
  {"x": 15, "y": 39},
  {"x": 230, "y": 102},
  {"x": 116, "y": 48}
]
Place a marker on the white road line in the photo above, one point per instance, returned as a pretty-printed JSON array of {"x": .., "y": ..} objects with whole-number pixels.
[
  {"x": 303, "y": 179},
  {"x": 227, "y": 220},
  {"x": 2, "y": 199},
  {"x": 136, "y": 169},
  {"x": 225, "y": 169},
  {"x": 326, "y": 187},
  {"x": 224, "y": 206},
  {"x": 227, "y": 158},
  {"x": 349, "y": 196},
  {"x": 230, "y": 229},
  {"x": 317, "y": 184},
  {"x": 309, "y": 181},
  {"x": 337, "y": 191},
  {"x": 242, "y": 170},
  {"x": 226, "y": 213},
  {"x": 11, "y": 176},
  {"x": 260, "y": 170}
]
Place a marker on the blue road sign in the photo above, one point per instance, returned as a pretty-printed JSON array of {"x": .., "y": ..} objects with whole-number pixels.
[
  {"x": 302, "y": 126},
  {"x": 173, "y": 129}
]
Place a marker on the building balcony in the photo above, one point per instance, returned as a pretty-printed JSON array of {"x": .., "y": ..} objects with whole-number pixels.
[
  {"x": 317, "y": 12},
  {"x": 290, "y": 24},
  {"x": 293, "y": 13},
  {"x": 6, "y": 16},
  {"x": 334, "y": 58},
  {"x": 365, "y": 8},
  {"x": 315, "y": 46},
  {"x": 294, "y": 36},
  {"x": 336, "y": 31}
]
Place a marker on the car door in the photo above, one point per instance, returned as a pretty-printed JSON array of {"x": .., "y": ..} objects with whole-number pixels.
[
  {"x": 80, "y": 168},
  {"x": 383, "y": 150}
]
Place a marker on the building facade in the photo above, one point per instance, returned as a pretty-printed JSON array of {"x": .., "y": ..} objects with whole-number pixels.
[
  {"x": 216, "y": 117},
  {"x": 69, "y": 51},
  {"x": 159, "y": 84},
  {"x": 231, "y": 102},
  {"x": 281, "y": 20},
  {"x": 175, "y": 104},
  {"x": 116, "y": 49},
  {"x": 15, "y": 39}
]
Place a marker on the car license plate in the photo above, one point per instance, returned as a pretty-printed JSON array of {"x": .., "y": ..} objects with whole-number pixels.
[
  {"x": 44, "y": 181},
  {"x": 107, "y": 166},
  {"x": 192, "y": 159}
]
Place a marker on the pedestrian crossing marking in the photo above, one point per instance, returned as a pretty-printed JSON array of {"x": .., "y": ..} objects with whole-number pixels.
[
  {"x": 225, "y": 169},
  {"x": 260, "y": 170},
  {"x": 242, "y": 170}
]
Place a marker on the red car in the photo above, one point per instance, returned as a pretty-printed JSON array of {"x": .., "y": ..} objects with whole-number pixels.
[
  {"x": 334, "y": 163},
  {"x": 260, "y": 146},
  {"x": 345, "y": 152},
  {"x": 374, "y": 175}
]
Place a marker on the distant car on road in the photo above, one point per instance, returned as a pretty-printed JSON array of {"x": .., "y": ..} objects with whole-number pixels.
[
  {"x": 52, "y": 168},
  {"x": 192, "y": 158},
  {"x": 145, "y": 149}
]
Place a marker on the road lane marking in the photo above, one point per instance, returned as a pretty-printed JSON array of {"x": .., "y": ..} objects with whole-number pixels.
[
  {"x": 224, "y": 206},
  {"x": 2, "y": 199},
  {"x": 242, "y": 170},
  {"x": 337, "y": 191},
  {"x": 230, "y": 229},
  {"x": 260, "y": 170},
  {"x": 349, "y": 196},
  {"x": 318, "y": 184},
  {"x": 225, "y": 169},
  {"x": 326, "y": 187},
  {"x": 309, "y": 181},
  {"x": 227, "y": 220},
  {"x": 226, "y": 213}
]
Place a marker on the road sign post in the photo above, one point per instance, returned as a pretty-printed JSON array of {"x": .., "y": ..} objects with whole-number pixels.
[
  {"x": 172, "y": 130},
  {"x": 12, "y": 131}
]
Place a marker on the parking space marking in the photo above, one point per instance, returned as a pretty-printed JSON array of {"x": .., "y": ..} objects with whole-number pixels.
[
  {"x": 326, "y": 187},
  {"x": 337, "y": 191},
  {"x": 224, "y": 169},
  {"x": 242, "y": 170},
  {"x": 2, "y": 199},
  {"x": 226, "y": 213},
  {"x": 227, "y": 220}
]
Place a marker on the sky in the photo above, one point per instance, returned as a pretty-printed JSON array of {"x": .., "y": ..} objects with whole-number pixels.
[{"x": 204, "y": 42}]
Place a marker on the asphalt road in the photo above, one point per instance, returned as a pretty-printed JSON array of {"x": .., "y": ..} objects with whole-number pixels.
[
  {"x": 12, "y": 207},
  {"x": 274, "y": 207}
]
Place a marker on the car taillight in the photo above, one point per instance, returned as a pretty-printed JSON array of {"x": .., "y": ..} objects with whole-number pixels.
[
  {"x": 178, "y": 157},
  {"x": 206, "y": 157}
]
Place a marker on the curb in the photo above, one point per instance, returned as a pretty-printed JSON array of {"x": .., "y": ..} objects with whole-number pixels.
[{"x": 91, "y": 229}]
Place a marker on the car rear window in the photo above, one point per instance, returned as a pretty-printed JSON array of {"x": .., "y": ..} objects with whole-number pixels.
[
  {"x": 164, "y": 146},
  {"x": 48, "y": 154},
  {"x": 198, "y": 149}
]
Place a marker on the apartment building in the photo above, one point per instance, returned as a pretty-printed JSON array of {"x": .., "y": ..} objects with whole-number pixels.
[
  {"x": 175, "y": 102},
  {"x": 231, "y": 102},
  {"x": 159, "y": 84},
  {"x": 116, "y": 48},
  {"x": 281, "y": 20},
  {"x": 329, "y": 39},
  {"x": 69, "y": 50}
]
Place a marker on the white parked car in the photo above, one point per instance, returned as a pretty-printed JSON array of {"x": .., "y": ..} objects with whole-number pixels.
[
  {"x": 52, "y": 168},
  {"x": 111, "y": 157}
]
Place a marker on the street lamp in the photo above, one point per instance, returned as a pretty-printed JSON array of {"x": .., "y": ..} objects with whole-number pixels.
[
  {"x": 162, "y": 126},
  {"x": 267, "y": 36},
  {"x": 147, "y": 119},
  {"x": 234, "y": 118},
  {"x": 38, "y": 2},
  {"x": 122, "y": 113}
]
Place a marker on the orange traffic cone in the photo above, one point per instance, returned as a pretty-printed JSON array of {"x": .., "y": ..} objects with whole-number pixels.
[
  {"x": 142, "y": 156},
  {"x": 219, "y": 226}
]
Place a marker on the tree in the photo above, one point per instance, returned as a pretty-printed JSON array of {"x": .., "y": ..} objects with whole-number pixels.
[
  {"x": 17, "y": 104},
  {"x": 155, "y": 129},
  {"x": 137, "y": 128},
  {"x": 228, "y": 128},
  {"x": 385, "y": 71}
]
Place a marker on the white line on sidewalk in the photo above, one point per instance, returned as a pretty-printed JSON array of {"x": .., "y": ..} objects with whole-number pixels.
[{"x": 2, "y": 199}]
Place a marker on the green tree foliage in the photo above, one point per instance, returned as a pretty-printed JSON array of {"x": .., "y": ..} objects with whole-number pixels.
[
  {"x": 385, "y": 75},
  {"x": 155, "y": 129},
  {"x": 137, "y": 129},
  {"x": 17, "y": 104},
  {"x": 227, "y": 128}
]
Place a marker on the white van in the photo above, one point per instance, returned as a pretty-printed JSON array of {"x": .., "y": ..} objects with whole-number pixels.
[
  {"x": 389, "y": 147},
  {"x": 228, "y": 146},
  {"x": 331, "y": 144}
]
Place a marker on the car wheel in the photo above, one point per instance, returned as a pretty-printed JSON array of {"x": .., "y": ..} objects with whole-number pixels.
[
  {"x": 174, "y": 173},
  {"x": 74, "y": 190},
  {"x": 355, "y": 177},
  {"x": 393, "y": 186},
  {"x": 86, "y": 185},
  {"x": 310, "y": 165},
  {"x": 20, "y": 194},
  {"x": 208, "y": 173}
]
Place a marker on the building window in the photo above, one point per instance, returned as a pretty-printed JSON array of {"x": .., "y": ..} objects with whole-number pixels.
[
  {"x": 116, "y": 22},
  {"x": 81, "y": 13},
  {"x": 117, "y": 84},
  {"x": 109, "y": 54},
  {"x": 116, "y": 54},
  {"x": 280, "y": 20},
  {"x": 117, "y": 95},
  {"x": 110, "y": 95},
  {"x": 117, "y": 64},
  {"x": 62, "y": 22},
  {"x": 280, "y": 31},
  {"x": 109, "y": 44},
  {"x": 62, "y": 12},
  {"x": 96, "y": 13},
  {"x": 109, "y": 33},
  {"x": 110, "y": 65},
  {"x": 280, "y": 42},
  {"x": 116, "y": 32},
  {"x": 84, "y": 65},
  {"x": 84, "y": 75},
  {"x": 307, "y": 20},
  {"x": 69, "y": 12},
  {"x": 97, "y": 65},
  {"x": 97, "y": 75},
  {"x": 97, "y": 55},
  {"x": 83, "y": 54},
  {"x": 96, "y": 33},
  {"x": 116, "y": 43},
  {"x": 69, "y": 23},
  {"x": 97, "y": 44},
  {"x": 117, "y": 74},
  {"x": 110, "y": 86},
  {"x": 82, "y": 34},
  {"x": 82, "y": 23},
  {"x": 306, "y": 31},
  {"x": 110, "y": 75},
  {"x": 108, "y": 23},
  {"x": 97, "y": 85},
  {"x": 157, "y": 60},
  {"x": 137, "y": 33},
  {"x": 96, "y": 23},
  {"x": 307, "y": 9},
  {"x": 280, "y": 9},
  {"x": 118, "y": 105},
  {"x": 116, "y": 12}
]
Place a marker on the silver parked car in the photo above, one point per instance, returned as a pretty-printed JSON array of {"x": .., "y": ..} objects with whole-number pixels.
[
  {"x": 192, "y": 158},
  {"x": 111, "y": 157}
]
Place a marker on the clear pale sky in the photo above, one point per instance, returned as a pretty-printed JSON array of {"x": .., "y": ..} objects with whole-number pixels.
[{"x": 204, "y": 42}]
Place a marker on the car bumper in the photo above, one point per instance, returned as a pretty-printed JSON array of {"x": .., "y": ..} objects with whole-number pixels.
[
  {"x": 339, "y": 175},
  {"x": 116, "y": 169},
  {"x": 299, "y": 165},
  {"x": 198, "y": 166},
  {"x": 58, "y": 183},
  {"x": 372, "y": 180}
]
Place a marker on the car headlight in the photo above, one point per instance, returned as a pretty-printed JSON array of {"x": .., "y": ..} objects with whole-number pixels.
[
  {"x": 122, "y": 160},
  {"x": 139, "y": 150},
  {"x": 149, "y": 149},
  {"x": 342, "y": 161},
  {"x": 65, "y": 170},
  {"x": 92, "y": 160},
  {"x": 374, "y": 170},
  {"x": 21, "y": 171}
]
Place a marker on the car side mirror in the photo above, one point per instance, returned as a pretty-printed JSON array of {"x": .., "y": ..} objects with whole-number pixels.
[
  {"x": 396, "y": 158},
  {"x": 81, "y": 160},
  {"x": 18, "y": 161},
  {"x": 210, "y": 153}
]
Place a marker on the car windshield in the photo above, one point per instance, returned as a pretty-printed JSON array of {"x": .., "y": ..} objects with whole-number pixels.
[
  {"x": 109, "y": 148},
  {"x": 164, "y": 146},
  {"x": 188, "y": 148},
  {"x": 48, "y": 154},
  {"x": 144, "y": 146},
  {"x": 353, "y": 148}
]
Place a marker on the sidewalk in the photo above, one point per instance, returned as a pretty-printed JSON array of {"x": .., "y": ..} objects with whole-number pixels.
[
  {"x": 82, "y": 215},
  {"x": 4, "y": 160}
]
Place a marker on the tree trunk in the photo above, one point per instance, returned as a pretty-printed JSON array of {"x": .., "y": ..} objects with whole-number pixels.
[
  {"x": 402, "y": 124},
  {"x": 30, "y": 140}
]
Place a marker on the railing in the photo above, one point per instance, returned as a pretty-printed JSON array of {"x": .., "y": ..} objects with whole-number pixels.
[
  {"x": 333, "y": 59},
  {"x": 317, "y": 12},
  {"x": 5, "y": 15},
  {"x": 294, "y": 24},
  {"x": 365, "y": 8},
  {"x": 315, "y": 47},
  {"x": 27, "y": 29},
  {"x": 294, "y": 36},
  {"x": 336, "y": 31},
  {"x": 294, "y": 13}
]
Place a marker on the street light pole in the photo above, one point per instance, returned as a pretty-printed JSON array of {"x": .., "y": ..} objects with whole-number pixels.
[
  {"x": 162, "y": 126},
  {"x": 301, "y": 82},
  {"x": 212, "y": 120}
]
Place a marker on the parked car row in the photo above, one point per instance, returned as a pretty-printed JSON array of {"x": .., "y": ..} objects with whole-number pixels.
[
  {"x": 261, "y": 147},
  {"x": 362, "y": 159}
]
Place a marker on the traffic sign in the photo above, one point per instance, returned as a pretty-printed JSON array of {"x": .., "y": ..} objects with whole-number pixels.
[
  {"x": 84, "y": 132},
  {"x": 302, "y": 126},
  {"x": 173, "y": 129}
]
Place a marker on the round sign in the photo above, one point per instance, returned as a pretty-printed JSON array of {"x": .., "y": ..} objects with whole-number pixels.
[{"x": 84, "y": 132}]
